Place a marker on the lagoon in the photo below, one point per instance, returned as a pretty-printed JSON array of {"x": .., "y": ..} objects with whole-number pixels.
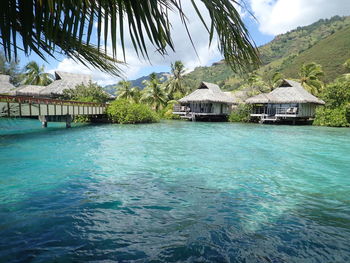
[{"x": 174, "y": 191}]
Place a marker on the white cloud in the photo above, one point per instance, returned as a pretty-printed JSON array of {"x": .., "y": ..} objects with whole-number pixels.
[
  {"x": 184, "y": 51},
  {"x": 279, "y": 16}
]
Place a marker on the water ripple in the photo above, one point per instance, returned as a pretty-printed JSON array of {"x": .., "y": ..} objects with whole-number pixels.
[{"x": 175, "y": 192}]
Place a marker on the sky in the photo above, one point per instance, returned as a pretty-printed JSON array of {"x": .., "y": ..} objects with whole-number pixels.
[{"x": 271, "y": 17}]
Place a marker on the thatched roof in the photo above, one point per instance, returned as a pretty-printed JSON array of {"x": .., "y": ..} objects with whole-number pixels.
[
  {"x": 65, "y": 80},
  {"x": 288, "y": 92},
  {"x": 29, "y": 90},
  {"x": 208, "y": 92},
  {"x": 5, "y": 86}
]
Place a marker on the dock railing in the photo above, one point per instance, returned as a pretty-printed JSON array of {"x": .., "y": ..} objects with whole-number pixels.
[
  {"x": 32, "y": 100},
  {"x": 287, "y": 111}
]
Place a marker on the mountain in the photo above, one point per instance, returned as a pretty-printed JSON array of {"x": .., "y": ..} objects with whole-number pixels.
[
  {"x": 326, "y": 42},
  {"x": 331, "y": 53}
]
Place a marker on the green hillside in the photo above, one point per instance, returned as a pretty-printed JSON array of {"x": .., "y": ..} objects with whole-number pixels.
[
  {"x": 331, "y": 53},
  {"x": 326, "y": 42},
  {"x": 302, "y": 38}
]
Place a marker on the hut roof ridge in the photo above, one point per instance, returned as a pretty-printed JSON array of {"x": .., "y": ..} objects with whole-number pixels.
[
  {"x": 293, "y": 93},
  {"x": 208, "y": 92}
]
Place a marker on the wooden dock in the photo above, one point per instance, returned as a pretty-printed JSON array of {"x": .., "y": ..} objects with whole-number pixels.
[{"x": 47, "y": 109}]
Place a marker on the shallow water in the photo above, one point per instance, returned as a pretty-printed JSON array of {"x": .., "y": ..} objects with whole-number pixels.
[{"x": 174, "y": 191}]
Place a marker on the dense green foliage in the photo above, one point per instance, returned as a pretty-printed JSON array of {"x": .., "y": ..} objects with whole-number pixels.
[
  {"x": 126, "y": 91},
  {"x": 336, "y": 117},
  {"x": 86, "y": 93},
  {"x": 82, "y": 119},
  {"x": 336, "y": 112},
  {"x": 241, "y": 113},
  {"x": 167, "y": 112},
  {"x": 125, "y": 112}
]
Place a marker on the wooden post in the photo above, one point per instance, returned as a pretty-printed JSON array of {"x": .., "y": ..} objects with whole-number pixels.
[
  {"x": 20, "y": 109},
  {"x": 8, "y": 109},
  {"x": 68, "y": 121},
  {"x": 43, "y": 120}
]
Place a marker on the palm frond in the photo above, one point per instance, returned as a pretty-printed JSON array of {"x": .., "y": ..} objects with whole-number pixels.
[{"x": 67, "y": 27}]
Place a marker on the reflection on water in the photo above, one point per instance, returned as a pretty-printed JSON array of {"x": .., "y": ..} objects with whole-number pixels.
[{"x": 175, "y": 191}]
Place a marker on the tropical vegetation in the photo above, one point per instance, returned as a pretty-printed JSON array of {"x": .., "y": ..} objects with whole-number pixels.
[
  {"x": 175, "y": 85},
  {"x": 337, "y": 109},
  {"x": 154, "y": 93},
  {"x": 126, "y": 112},
  {"x": 36, "y": 75},
  {"x": 86, "y": 93},
  {"x": 240, "y": 114},
  {"x": 310, "y": 77},
  {"x": 124, "y": 90}
]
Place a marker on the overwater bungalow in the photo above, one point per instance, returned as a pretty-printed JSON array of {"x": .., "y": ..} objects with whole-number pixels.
[
  {"x": 289, "y": 102},
  {"x": 207, "y": 102}
]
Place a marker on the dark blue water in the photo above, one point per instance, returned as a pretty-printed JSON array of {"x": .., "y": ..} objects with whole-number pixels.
[{"x": 174, "y": 192}]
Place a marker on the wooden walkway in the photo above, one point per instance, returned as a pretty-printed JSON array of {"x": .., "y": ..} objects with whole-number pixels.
[{"x": 47, "y": 109}]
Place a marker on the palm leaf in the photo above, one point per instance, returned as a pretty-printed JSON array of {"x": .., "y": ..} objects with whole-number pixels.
[{"x": 66, "y": 27}]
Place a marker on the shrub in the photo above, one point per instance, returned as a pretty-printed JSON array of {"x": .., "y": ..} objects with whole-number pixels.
[
  {"x": 336, "y": 112},
  {"x": 123, "y": 112},
  {"x": 82, "y": 119},
  {"x": 337, "y": 93},
  {"x": 86, "y": 93},
  {"x": 336, "y": 117},
  {"x": 240, "y": 114},
  {"x": 167, "y": 113}
]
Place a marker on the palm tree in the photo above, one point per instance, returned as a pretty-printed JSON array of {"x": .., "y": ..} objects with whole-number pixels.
[
  {"x": 124, "y": 90},
  {"x": 255, "y": 81},
  {"x": 175, "y": 82},
  {"x": 154, "y": 94},
  {"x": 275, "y": 80},
  {"x": 136, "y": 94},
  {"x": 310, "y": 77},
  {"x": 44, "y": 27},
  {"x": 35, "y": 75}
]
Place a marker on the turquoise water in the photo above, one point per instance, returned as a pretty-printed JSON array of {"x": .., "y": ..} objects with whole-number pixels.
[{"x": 174, "y": 192}]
